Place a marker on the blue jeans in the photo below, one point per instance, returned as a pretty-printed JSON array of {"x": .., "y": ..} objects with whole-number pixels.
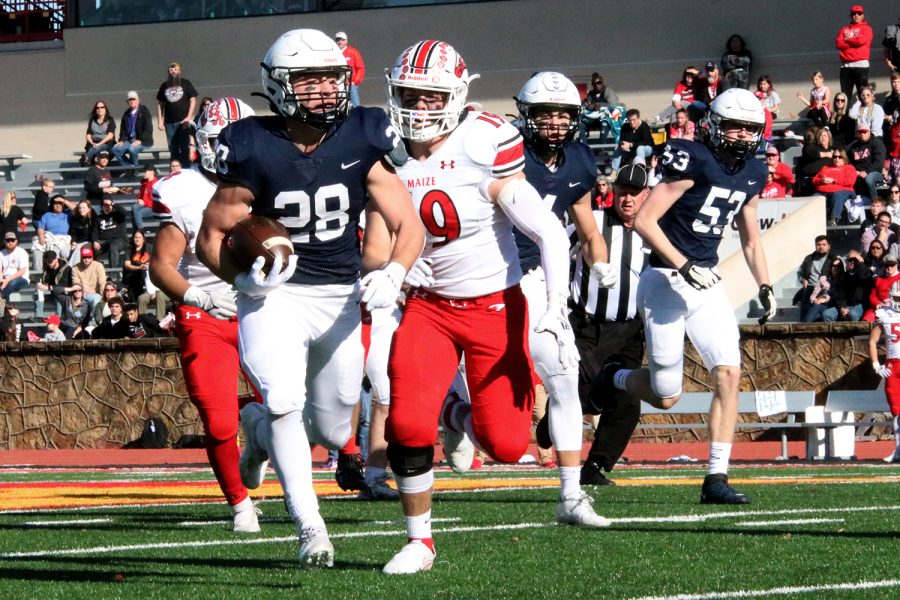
[
  {"x": 873, "y": 180},
  {"x": 179, "y": 138},
  {"x": 93, "y": 150},
  {"x": 814, "y": 313},
  {"x": 641, "y": 152},
  {"x": 354, "y": 95},
  {"x": 837, "y": 201},
  {"x": 829, "y": 315},
  {"x": 138, "y": 213},
  {"x": 129, "y": 150},
  {"x": 365, "y": 417},
  {"x": 13, "y": 286}
]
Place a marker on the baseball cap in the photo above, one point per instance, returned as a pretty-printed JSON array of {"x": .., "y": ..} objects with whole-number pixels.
[
  {"x": 857, "y": 8},
  {"x": 632, "y": 175},
  {"x": 711, "y": 66},
  {"x": 10, "y": 235},
  {"x": 175, "y": 65},
  {"x": 103, "y": 153},
  {"x": 889, "y": 259},
  {"x": 53, "y": 320},
  {"x": 85, "y": 251},
  {"x": 862, "y": 128},
  {"x": 340, "y": 35},
  {"x": 131, "y": 94}
]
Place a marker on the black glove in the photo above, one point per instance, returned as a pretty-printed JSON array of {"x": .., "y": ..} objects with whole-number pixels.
[{"x": 701, "y": 278}]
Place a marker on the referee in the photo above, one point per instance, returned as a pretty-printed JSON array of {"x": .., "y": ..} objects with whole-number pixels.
[{"x": 607, "y": 324}]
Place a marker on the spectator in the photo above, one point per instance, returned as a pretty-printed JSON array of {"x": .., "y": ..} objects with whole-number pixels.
[
  {"x": 848, "y": 297},
  {"x": 110, "y": 291},
  {"x": 770, "y": 99},
  {"x": 135, "y": 132},
  {"x": 819, "y": 103},
  {"x": 635, "y": 141},
  {"x": 8, "y": 323},
  {"x": 13, "y": 266},
  {"x": 176, "y": 101},
  {"x": 810, "y": 270},
  {"x": 115, "y": 326},
  {"x": 42, "y": 200},
  {"x": 867, "y": 113},
  {"x": 877, "y": 207},
  {"x": 143, "y": 207},
  {"x": 174, "y": 166},
  {"x": 842, "y": 126},
  {"x": 53, "y": 231},
  {"x": 835, "y": 182},
  {"x": 83, "y": 227},
  {"x": 706, "y": 89},
  {"x": 53, "y": 331},
  {"x": 881, "y": 231},
  {"x": 604, "y": 195},
  {"x": 893, "y": 204},
  {"x": 141, "y": 325},
  {"x": 770, "y": 190},
  {"x": 736, "y": 62},
  {"x": 91, "y": 275},
  {"x": 873, "y": 258},
  {"x": 206, "y": 101},
  {"x": 880, "y": 294},
  {"x": 134, "y": 273},
  {"x": 600, "y": 95},
  {"x": 682, "y": 96},
  {"x": 867, "y": 155},
  {"x": 891, "y": 43},
  {"x": 13, "y": 217},
  {"x": 782, "y": 175},
  {"x": 356, "y": 64},
  {"x": 891, "y": 132},
  {"x": 98, "y": 179},
  {"x": 683, "y": 128},
  {"x": 816, "y": 154},
  {"x": 820, "y": 298},
  {"x": 854, "y": 43},
  {"x": 100, "y": 134},
  {"x": 56, "y": 280},
  {"x": 599, "y": 101},
  {"x": 111, "y": 232}
]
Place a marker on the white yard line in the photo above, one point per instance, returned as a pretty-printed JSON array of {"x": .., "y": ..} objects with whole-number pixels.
[
  {"x": 63, "y": 522},
  {"x": 787, "y": 522},
  {"x": 781, "y": 591},
  {"x": 751, "y": 513}
]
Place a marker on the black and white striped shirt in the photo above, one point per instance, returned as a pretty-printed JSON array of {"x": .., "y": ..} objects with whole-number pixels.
[{"x": 626, "y": 253}]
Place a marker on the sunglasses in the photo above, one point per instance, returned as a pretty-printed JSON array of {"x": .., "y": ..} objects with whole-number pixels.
[{"x": 100, "y": 106}]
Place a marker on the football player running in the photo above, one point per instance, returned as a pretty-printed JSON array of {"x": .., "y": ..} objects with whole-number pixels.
[
  {"x": 206, "y": 324},
  {"x": 465, "y": 176},
  {"x": 311, "y": 166},
  {"x": 706, "y": 186},
  {"x": 888, "y": 320},
  {"x": 563, "y": 172}
]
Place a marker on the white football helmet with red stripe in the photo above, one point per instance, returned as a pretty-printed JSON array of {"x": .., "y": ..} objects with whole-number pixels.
[
  {"x": 430, "y": 66},
  {"x": 213, "y": 120}
]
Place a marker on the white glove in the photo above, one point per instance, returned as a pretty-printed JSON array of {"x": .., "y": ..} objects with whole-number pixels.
[
  {"x": 605, "y": 275},
  {"x": 381, "y": 288},
  {"x": 420, "y": 275},
  {"x": 700, "y": 278},
  {"x": 220, "y": 304},
  {"x": 882, "y": 371},
  {"x": 256, "y": 285},
  {"x": 556, "y": 322},
  {"x": 767, "y": 301}
]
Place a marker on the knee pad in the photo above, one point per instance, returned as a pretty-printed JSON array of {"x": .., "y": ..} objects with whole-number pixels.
[
  {"x": 666, "y": 379},
  {"x": 409, "y": 462}
]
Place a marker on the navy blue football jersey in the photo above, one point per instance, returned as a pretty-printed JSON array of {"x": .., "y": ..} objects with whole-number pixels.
[
  {"x": 560, "y": 189},
  {"x": 697, "y": 220},
  {"x": 317, "y": 196}
]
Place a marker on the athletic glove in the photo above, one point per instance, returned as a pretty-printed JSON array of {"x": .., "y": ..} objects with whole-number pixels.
[
  {"x": 220, "y": 304},
  {"x": 256, "y": 284},
  {"x": 767, "y": 300},
  {"x": 556, "y": 322},
  {"x": 420, "y": 275},
  {"x": 381, "y": 288},
  {"x": 700, "y": 278},
  {"x": 882, "y": 371},
  {"x": 605, "y": 275}
]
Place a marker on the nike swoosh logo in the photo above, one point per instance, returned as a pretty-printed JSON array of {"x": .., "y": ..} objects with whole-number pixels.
[
  {"x": 751, "y": 182},
  {"x": 348, "y": 165},
  {"x": 576, "y": 184}
]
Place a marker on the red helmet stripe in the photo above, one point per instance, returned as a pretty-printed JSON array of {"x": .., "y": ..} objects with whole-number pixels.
[
  {"x": 233, "y": 109},
  {"x": 422, "y": 54}
]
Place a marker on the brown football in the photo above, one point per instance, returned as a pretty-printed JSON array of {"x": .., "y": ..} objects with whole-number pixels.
[{"x": 255, "y": 236}]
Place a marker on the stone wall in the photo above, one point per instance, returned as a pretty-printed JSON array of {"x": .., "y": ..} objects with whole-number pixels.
[{"x": 96, "y": 394}]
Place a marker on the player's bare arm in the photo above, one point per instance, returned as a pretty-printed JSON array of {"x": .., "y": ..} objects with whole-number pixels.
[
  {"x": 646, "y": 223},
  {"x": 167, "y": 251},
  {"x": 754, "y": 253},
  {"x": 377, "y": 242},
  {"x": 392, "y": 201},
  {"x": 229, "y": 204},
  {"x": 874, "y": 337},
  {"x": 592, "y": 243}
]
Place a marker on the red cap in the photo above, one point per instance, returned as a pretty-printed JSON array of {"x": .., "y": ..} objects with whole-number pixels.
[
  {"x": 857, "y": 8},
  {"x": 52, "y": 320},
  {"x": 86, "y": 251}
]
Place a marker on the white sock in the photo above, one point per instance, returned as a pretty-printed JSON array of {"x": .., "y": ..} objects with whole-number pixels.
[
  {"x": 569, "y": 481},
  {"x": 374, "y": 474},
  {"x": 245, "y": 504},
  {"x": 619, "y": 378},
  {"x": 719, "y": 455},
  {"x": 289, "y": 451},
  {"x": 419, "y": 527}
]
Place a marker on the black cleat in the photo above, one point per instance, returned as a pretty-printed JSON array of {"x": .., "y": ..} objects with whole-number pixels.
[
  {"x": 349, "y": 473},
  {"x": 716, "y": 490},
  {"x": 602, "y": 388},
  {"x": 542, "y": 432},
  {"x": 591, "y": 474}
]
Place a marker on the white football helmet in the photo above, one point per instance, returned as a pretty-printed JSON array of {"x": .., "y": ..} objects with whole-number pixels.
[
  {"x": 548, "y": 90},
  {"x": 895, "y": 295},
  {"x": 305, "y": 51},
  {"x": 432, "y": 66},
  {"x": 213, "y": 120},
  {"x": 740, "y": 106}
]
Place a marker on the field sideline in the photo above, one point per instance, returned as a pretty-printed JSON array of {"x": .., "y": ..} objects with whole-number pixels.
[{"x": 826, "y": 530}]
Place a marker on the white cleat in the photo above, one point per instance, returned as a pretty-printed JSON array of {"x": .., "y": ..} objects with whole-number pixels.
[
  {"x": 254, "y": 459},
  {"x": 579, "y": 510},
  {"x": 893, "y": 458},
  {"x": 315, "y": 548},
  {"x": 246, "y": 520},
  {"x": 414, "y": 557},
  {"x": 458, "y": 449}
]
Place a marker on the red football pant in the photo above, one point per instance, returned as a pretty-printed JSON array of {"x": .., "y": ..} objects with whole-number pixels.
[
  {"x": 493, "y": 332},
  {"x": 210, "y": 363},
  {"x": 892, "y": 387}
]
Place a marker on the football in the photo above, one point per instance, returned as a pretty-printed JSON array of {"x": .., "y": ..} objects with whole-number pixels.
[{"x": 255, "y": 236}]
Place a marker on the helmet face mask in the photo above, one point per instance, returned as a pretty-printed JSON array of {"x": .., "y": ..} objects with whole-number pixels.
[
  {"x": 546, "y": 93},
  {"x": 429, "y": 68},
  {"x": 214, "y": 118},
  {"x": 307, "y": 59},
  {"x": 736, "y": 109}
]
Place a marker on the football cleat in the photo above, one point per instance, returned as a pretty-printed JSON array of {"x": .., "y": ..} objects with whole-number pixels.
[
  {"x": 578, "y": 509},
  {"x": 414, "y": 557},
  {"x": 717, "y": 490},
  {"x": 542, "y": 432},
  {"x": 602, "y": 388},
  {"x": 245, "y": 518},
  {"x": 254, "y": 458},
  {"x": 591, "y": 474},
  {"x": 895, "y": 457},
  {"x": 349, "y": 473},
  {"x": 378, "y": 489},
  {"x": 315, "y": 548}
]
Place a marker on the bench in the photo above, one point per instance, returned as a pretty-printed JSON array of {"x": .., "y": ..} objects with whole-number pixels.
[
  {"x": 870, "y": 402},
  {"x": 698, "y": 403},
  {"x": 11, "y": 161},
  {"x": 155, "y": 151}
]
